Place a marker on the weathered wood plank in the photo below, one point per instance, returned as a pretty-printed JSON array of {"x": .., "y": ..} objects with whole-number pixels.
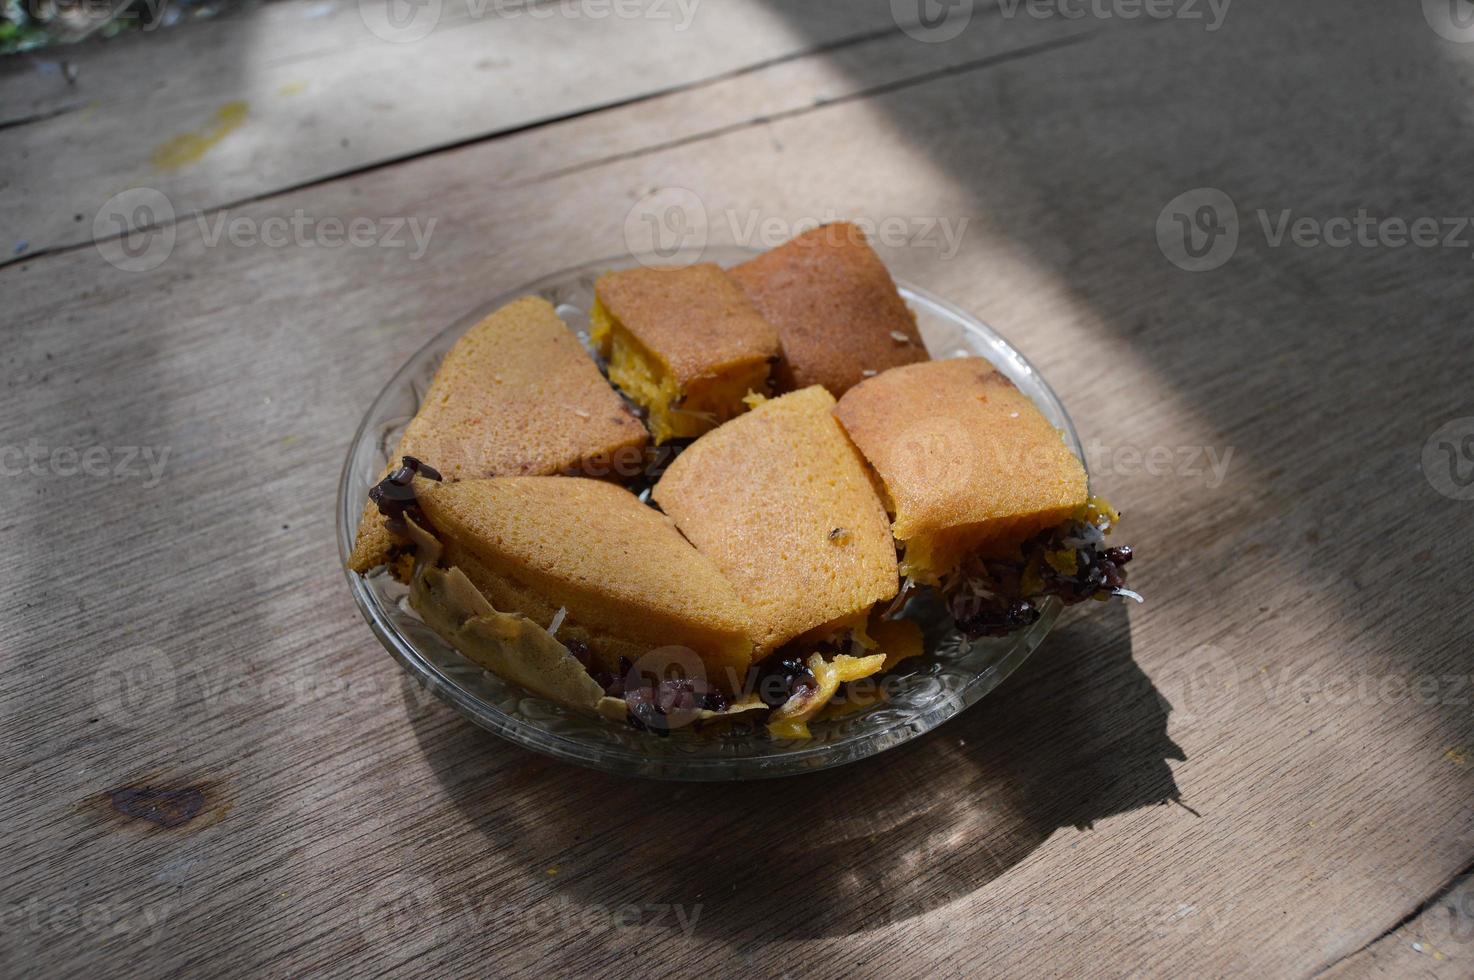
[
  {"x": 294, "y": 92},
  {"x": 1305, "y": 625}
]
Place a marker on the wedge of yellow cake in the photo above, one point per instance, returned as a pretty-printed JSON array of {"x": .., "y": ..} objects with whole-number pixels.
[
  {"x": 966, "y": 460},
  {"x": 836, "y": 309},
  {"x": 685, "y": 344},
  {"x": 781, "y": 502},
  {"x": 517, "y": 395},
  {"x": 624, "y": 578}
]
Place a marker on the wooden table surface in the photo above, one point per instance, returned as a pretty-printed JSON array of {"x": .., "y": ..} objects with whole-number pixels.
[{"x": 213, "y": 768}]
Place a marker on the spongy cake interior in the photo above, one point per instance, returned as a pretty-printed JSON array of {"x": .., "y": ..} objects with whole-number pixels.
[
  {"x": 780, "y": 500},
  {"x": 673, "y": 413},
  {"x": 627, "y": 579},
  {"x": 685, "y": 344},
  {"x": 967, "y": 460}
]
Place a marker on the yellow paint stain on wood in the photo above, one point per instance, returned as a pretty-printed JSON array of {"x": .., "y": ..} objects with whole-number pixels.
[
  {"x": 1458, "y": 755},
  {"x": 188, "y": 147}
]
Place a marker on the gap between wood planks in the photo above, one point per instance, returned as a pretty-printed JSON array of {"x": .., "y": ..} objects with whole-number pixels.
[
  {"x": 767, "y": 63},
  {"x": 869, "y": 93},
  {"x": 868, "y": 37},
  {"x": 42, "y": 116},
  {"x": 1419, "y": 910}
]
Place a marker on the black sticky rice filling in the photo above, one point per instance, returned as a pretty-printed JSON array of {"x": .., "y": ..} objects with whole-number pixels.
[
  {"x": 395, "y": 494},
  {"x": 996, "y": 596}
]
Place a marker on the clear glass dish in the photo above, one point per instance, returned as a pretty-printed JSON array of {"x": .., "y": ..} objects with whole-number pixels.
[{"x": 924, "y": 693}]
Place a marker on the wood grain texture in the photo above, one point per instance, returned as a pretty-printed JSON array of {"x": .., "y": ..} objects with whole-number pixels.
[
  {"x": 1298, "y": 681},
  {"x": 321, "y": 94}
]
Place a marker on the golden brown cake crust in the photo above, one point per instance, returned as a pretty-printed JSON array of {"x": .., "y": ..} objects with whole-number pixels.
[
  {"x": 620, "y": 569},
  {"x": 516, "y": 395},
  {"x": 835, "y": 306},
  {"x": 695, "y": 319},
  {"x": 957, "y": 444},
  {"x": 780, "y": 500},
  {"x": 519, "y": 396}
]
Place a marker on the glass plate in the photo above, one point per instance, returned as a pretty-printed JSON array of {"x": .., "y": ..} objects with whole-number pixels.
[{"x": 921, "y": 694}]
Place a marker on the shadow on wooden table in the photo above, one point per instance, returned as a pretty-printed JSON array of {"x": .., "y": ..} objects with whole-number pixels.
[{"x": 1077, "y": 735}]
